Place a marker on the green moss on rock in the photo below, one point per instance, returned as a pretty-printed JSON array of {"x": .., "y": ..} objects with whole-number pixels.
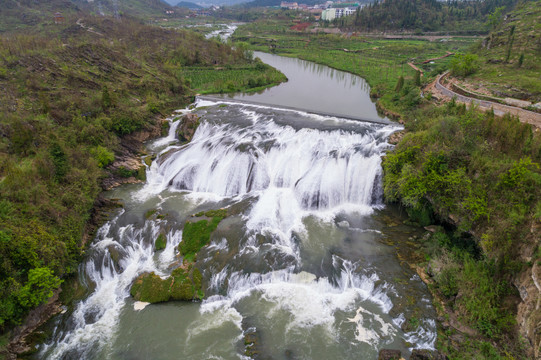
[
  {"x": 149, "y": 213},
  {"x": 213, "y": 213},
  {"x": 196, "y": 235},
  {"x": 149, "y": 159},
  {"x": 160, "y": 243},
  {"x": 149, "y": 287},
  {"x": 183, "y": 284}
]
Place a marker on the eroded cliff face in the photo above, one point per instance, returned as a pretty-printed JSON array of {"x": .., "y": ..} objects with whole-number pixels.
[
  {"x": 529, "y": 311},
  {"x": 528, "y": 283},
  {"x": 128, "y": 167}
]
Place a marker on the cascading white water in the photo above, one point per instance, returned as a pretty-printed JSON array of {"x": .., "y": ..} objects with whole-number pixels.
[
  {"x": 323, "y": 169},
  {"x": 286, "y": 174}
]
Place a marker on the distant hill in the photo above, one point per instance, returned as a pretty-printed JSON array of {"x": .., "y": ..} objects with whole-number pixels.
[
  {"x": 189, "y": 5},
  {"x": 207, "y": 3},
  {"x": 137, "y": 8},
  {"x": 19, "y": 14},
  {"x": 262, "y": 3}
]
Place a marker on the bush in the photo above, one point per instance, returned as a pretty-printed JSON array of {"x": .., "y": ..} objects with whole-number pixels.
[
  {"x": 464, "y": 64},
  {"x": 103, "y": 156},
  {"x": 482, "y": 296},
  {"x": 39, "y": 287}
]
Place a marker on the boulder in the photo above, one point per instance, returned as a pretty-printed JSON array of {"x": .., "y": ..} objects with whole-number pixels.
[
  {"x": 187, "y": 128},
  {"x": 387, "y": 354},
  {"x": 423, "y": 354}
]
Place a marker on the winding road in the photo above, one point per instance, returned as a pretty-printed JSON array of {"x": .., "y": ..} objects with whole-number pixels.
[{"x": 525, "y": 116}]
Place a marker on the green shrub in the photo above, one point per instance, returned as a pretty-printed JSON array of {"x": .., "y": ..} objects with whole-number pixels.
[
  {"x": 482, "y": 296},
  {"x": 125, "y": 173},
  {"x": 447, "y": 281},
  {"x": 106, "y": 100},
  {"x": 464, "y": 64},
  {"x": 103, "y": 156},
  {"x": 39, "y": 287},
  {"x": 60, "y": 161}
]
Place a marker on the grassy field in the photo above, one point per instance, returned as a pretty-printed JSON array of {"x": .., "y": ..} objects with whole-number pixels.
[{"x": 232, "y": 78}]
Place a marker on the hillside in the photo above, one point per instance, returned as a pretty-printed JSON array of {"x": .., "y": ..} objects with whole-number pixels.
[
  {"x": 15, "y": 15},
  {"x": 511, "y": 55},
  {"x": 424, "y": 15},
  {"x": 21, "y": 14},
  {"x": 262, "y": 3},
  {"x": 136, "y": 8},
  {"x": 189, "y": 5}
]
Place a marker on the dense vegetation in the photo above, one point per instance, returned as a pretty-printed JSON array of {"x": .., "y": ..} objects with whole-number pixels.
[
  {"x": 68, "y": 95},
  {"x": 482, "y": 175},
  {"x": 458, "y": 17}
]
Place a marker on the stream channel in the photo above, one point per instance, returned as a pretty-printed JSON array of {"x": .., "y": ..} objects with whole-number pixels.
[{"x": 306, "y": 266}]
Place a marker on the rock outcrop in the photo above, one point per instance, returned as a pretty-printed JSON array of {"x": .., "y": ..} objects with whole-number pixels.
[
  {"x": 128, "y": 168},
  {"x": 387, "y": 354},
  {"x": 187, "y": 128},
  {"x": 183, "y": 284}
]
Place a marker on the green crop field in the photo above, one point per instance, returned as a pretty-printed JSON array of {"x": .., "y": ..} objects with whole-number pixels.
[{"x": 379, "y": 61}]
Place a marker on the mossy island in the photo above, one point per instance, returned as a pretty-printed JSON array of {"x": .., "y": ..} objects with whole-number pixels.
[{"x": 185, "y": 282}]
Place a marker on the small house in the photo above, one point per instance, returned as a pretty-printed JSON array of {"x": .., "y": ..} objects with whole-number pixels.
[{"x": 58, "y": 18}]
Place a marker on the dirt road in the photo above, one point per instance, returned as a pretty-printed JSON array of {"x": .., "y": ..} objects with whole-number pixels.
[{"x": 441, "y": 92}]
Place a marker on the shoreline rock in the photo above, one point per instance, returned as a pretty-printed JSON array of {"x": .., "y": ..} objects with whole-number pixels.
[{"x": 187, "y": 128}]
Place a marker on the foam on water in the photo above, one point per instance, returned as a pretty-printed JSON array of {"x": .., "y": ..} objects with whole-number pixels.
[{"x": 95, "y": 319}]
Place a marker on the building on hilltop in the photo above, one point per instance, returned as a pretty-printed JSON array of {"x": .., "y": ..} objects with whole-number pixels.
[{"x": 58, "y": 18}]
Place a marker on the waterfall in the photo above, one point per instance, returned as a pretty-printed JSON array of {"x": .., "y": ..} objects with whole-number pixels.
[{"x": 281, "y": 173}]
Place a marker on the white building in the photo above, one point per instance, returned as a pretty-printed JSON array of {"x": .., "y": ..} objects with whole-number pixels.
[{"x": 328, "y": 14}]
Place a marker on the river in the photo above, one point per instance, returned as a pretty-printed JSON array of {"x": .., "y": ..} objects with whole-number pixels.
[{"x": 306, "y": 266}]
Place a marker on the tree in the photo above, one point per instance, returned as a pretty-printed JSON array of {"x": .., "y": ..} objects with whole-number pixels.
[
  {"x": 39, "y": 288},
  {"x": 464, "y": 64},
  {"x": 417, "y": 78},
  {"x": 399, "y": 84},
  {"x": 494, "y": 18}
]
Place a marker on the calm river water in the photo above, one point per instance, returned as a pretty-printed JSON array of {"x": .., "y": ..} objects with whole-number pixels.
[{"x": 304, "y": 267}]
